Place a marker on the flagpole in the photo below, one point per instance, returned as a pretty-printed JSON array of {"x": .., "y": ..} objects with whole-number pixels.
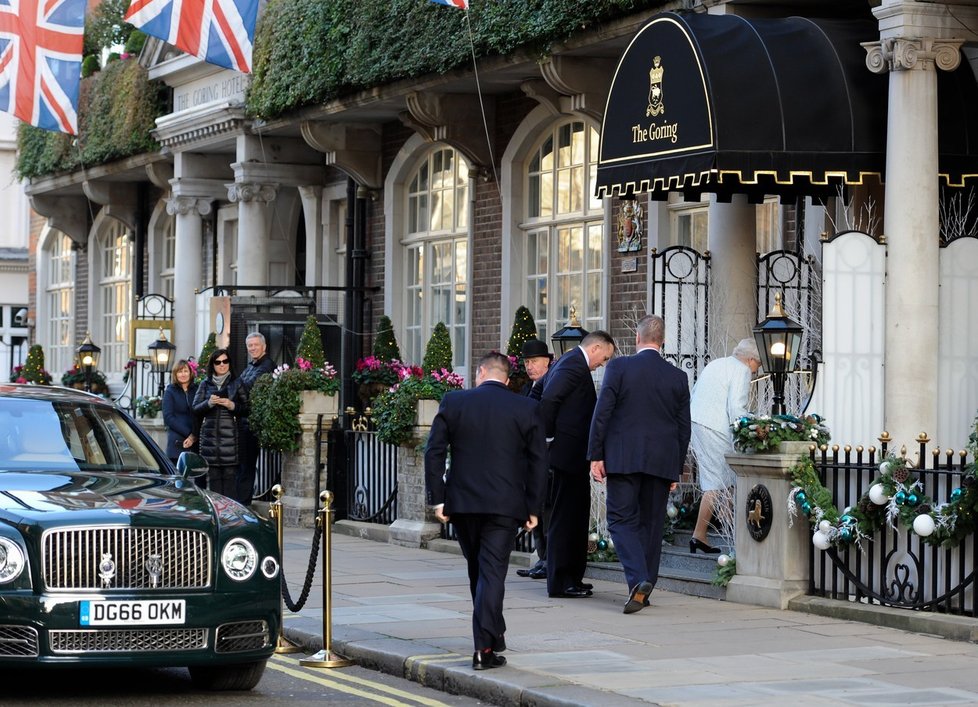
[{"x": 478, "y": 88}]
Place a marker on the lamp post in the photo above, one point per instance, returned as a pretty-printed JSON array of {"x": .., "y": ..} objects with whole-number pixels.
[
  {"x": 87, "y": 355},
  {"x": 778, "y": 340},
  {"x": 569, "y": 336},
  {"x": 160, "y": 355}
]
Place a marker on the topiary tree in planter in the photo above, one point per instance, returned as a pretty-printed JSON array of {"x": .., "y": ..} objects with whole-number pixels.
[
  {"x": 311, "y": 344},
  {"x": 33, "y": 369},
  {"x": 524, "y": 329},
  {"x": 438, "y": 352},
  {"x": 210, "y": 346},
  {"x": 385, "y": 345}
]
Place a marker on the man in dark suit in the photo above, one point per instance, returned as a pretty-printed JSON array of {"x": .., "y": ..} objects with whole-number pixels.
[
  {"x": 537, "y": 359},
  {"x": 567, "y": 405},
  {"x": 495, "y": 483},
  {"x": 258, "y": 365},
  {"x": 639, "y": 437}
]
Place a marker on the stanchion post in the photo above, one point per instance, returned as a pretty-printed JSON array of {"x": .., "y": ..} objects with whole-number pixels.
[
  {"x": 326, "y": 658},
  {"x": 282, "y": 644}
]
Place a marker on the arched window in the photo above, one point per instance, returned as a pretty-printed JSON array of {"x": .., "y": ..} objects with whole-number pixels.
[
  {"x": 437, "y": 255},
  {"x": 113, "y": 296},
  {"x": 564, "y": 230},
  {"x": 59, "y": 304}
]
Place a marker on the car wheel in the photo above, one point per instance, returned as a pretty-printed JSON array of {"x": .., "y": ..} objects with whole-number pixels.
[{"x": 239, "y": 676}]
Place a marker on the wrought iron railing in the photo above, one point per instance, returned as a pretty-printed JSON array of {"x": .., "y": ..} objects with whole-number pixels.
[{"x": 895, "y": 567}]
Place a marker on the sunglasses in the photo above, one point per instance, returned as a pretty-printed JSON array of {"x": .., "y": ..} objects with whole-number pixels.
[{"x": 222, "y": 362}]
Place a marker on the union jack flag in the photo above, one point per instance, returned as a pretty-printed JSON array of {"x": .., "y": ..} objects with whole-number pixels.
[
  {"x": 217, "y": 31},
  {"x": 40, "y": 61},
  {"x": 461, "y": 4}
]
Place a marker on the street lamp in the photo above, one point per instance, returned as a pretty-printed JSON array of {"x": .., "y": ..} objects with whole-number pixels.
[
  {"x": 567, "y": 337},
  {"x": 778, "y": 340},
  {"x": 160, "y": 355},
  {"x": 87, "y": 355}
]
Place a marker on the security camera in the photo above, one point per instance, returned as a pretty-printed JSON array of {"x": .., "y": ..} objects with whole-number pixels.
[{"x": 20, "y": 317}]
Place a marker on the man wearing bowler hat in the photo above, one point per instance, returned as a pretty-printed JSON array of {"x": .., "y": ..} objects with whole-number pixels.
[{"x": 536, "y": 360}]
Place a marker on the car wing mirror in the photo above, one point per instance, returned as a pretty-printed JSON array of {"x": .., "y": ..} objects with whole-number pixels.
[{"x": 191, "y": 465}]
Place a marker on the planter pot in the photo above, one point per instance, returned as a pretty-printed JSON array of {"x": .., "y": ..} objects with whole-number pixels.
[
  {"x": 312, "y": 402},
  {"x": 795, "y": 449},
  {"x": 426, "y": 411},
  {"x": 369, "y": 391}
]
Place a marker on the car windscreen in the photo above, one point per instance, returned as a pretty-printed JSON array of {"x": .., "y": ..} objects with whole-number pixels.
[{"x": 43, "y": 435}]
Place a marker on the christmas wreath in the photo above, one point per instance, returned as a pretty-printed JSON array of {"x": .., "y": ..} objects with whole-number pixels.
[{"x": 895, "y": 497}]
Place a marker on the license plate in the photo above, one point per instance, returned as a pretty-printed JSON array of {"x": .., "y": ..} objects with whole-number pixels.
[{"x": 133, "y": 613}]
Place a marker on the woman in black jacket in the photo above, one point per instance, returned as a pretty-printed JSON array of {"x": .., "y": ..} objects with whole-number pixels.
[
  {"x": 221, "y": 399},
  {"x": 178, "y": 410}
]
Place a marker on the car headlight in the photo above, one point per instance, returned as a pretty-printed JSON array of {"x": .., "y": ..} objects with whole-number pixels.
[
  {"x": 11, "y": 560},
  {"x": 239, "y": 559}
]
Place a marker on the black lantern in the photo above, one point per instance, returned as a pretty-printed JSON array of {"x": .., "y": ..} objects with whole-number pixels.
[
  {"x": 160, "y": 356},
  {"x": 778, "y": 340},
  {"x": 87, "y": 355},
  {"x": 566, "y": 338}
]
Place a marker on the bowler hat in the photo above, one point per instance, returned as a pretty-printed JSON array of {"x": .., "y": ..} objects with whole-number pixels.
[{"x": 532, "y": 348}]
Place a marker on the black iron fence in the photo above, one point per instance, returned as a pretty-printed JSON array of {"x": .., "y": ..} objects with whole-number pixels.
[{"x": 895, "y": 567}]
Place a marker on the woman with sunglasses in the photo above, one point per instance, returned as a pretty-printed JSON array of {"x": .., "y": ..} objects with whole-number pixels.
[{"x": 221, "y": 399}]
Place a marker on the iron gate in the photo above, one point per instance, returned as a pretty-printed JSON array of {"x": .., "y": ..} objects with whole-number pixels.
[
  {"x": 895, "y": 568},
  {"x": 680, "y": 291}
]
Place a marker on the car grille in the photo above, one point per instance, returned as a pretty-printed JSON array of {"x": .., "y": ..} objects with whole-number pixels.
[
  {"x": 18, "y": 642},
  {"x": 244, "y": 636},
  {"x": 72, "y": 558},
  {"x": 146, "y": 640}
]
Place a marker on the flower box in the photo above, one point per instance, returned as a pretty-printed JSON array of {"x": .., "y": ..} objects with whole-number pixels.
[
  {"x": 313, "y": 402},
  {"x": 427, "y": 409},
  {"x": 795, "y": 448}
]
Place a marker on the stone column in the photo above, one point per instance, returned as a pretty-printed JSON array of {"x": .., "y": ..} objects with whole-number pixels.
[
  {"x": 733, "y": 279},
  {"x": 312, "y": 211},
  {"x": 252, "y": 199},
  {"x": 911, "y": 223},
  {"x": 772, "y": 571},
  {"x": 187, "y": 267},
  {"x": 415, "y": 525}
]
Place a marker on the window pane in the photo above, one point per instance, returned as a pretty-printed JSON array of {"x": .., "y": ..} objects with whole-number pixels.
[
  {"x": 547, "y": 155},
  {"x": 546, "y": 195},
  {"x": 533, "y": 196}
]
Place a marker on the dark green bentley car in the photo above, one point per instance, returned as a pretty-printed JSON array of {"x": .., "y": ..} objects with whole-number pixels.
[{"x": 110, "y": 556}]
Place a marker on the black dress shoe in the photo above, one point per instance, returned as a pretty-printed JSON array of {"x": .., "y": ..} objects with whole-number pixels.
[
  {"x": 538, "y": 573},
  {"x": 484, "y": 660},
  {"x": 572, "y": 593},
  {"x": 584, "y": 585},
  {"x": 696, "y": 544},
  {"x": 523, "y": 572},
  {"x": 639, "y": 597}
]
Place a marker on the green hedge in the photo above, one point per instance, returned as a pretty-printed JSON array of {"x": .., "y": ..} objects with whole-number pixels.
[
  {"x": 311, "y": 51},
  {"x": 117, "y": 109}
]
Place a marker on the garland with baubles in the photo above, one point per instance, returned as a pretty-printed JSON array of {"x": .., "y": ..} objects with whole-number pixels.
[{"x": 895, "y": 497}]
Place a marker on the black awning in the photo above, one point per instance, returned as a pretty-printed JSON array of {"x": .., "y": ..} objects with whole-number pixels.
[{"x": 720, "y": 103}]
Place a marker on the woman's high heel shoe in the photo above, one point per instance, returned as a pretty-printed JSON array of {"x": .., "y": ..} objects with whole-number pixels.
[{"x": 696, "y": 544}]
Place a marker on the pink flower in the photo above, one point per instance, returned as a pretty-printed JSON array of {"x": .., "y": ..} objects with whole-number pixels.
[{"x": 303, "y": 364}]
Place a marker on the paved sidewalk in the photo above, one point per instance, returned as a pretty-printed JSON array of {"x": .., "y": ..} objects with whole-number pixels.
[{"x": 407, "y": 612}]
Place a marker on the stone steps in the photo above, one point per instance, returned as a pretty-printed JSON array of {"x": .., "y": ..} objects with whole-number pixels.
[{"x": 679, "y": 571}]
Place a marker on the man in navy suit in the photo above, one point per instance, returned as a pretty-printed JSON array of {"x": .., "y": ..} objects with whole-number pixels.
[
  {"x": 567, "y": 404},
  {"x": 639, "y": 437},
  {"x": 495, "y": 484}
]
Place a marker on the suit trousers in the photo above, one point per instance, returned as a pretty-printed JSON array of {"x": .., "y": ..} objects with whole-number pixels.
[
  {"x": 543, "y": 524},
  {"x": 570, "y": 519},
  {"x": 245, "y": 476},
  {"x": 636, "y": 513},
  {"x": 486, "y": 541}
]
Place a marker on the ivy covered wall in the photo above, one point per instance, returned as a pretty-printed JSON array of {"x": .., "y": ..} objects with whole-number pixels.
[
  {"x": 308, "y": 52},
  {"x": 311, "y": 51},
  {"x": 117, "y": 108}
]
